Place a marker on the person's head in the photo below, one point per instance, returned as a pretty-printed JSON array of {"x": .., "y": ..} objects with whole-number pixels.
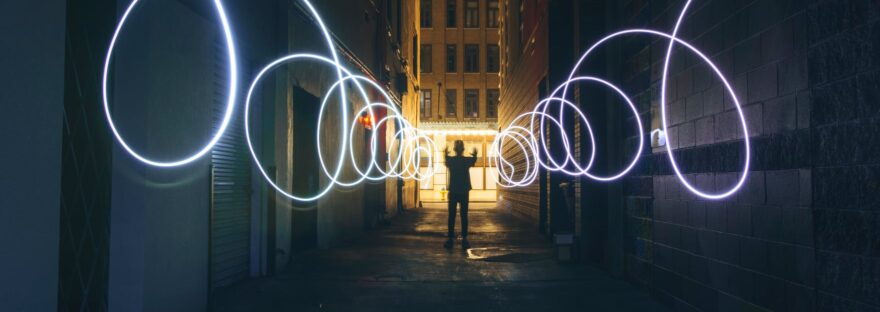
[{"x": 459, "y": 147}]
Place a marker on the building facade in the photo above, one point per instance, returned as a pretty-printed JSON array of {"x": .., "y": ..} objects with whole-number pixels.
[{"x": 460, "y": 61}]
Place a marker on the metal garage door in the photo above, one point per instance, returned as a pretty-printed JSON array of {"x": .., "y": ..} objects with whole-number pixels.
[{"x": 231, "y": 188}]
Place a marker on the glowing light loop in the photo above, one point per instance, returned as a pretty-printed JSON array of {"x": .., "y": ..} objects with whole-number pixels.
[
  {"x": 230, "y": 100},
  {"x": 529, "y": 132}
]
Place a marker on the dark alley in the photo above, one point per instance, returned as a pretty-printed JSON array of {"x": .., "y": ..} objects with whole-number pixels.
[
  {"x": 402, "y": 267},
  {"x": 440, "y": 155}
]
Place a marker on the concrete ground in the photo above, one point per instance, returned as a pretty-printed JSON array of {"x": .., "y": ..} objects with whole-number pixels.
[{"x": 403, "y": 267}]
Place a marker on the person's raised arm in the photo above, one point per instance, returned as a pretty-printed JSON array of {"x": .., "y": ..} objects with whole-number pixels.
[
  {"x": 446, "y": 155},
  {"x": 473, "y": 159}
]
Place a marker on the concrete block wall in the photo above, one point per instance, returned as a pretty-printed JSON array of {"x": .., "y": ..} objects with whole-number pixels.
[{"x": 803, "y": 233}]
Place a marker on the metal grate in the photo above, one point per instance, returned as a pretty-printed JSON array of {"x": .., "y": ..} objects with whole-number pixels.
[{"x": 86, "y": 158}]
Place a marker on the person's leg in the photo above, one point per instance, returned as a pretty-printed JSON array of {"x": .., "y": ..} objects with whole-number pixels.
[
  {"x": 464, "y": 199},
  {"x": 450, "y": 225},
  {"x": 451, "y": 220}
]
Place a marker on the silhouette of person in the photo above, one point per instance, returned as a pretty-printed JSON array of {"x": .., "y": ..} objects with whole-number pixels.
[{"x": 459, "y": 188}]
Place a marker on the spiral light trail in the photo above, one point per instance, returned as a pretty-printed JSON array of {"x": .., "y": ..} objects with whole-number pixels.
[{"x": 527, "y": 134}]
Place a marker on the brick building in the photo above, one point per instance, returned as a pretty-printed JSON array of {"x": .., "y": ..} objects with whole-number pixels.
[{"x": 460, "y": 62}]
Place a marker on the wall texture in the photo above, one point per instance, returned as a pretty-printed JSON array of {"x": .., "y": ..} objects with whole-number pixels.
[
  {"x": 524, "y": 64},
  {"x": 803, "y": 233},
  {"x": 32, "y": 36},
  {"x": 162, "y": 103}
]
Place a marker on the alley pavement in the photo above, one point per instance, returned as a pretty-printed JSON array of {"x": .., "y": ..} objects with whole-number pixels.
[{"x": 403, "y": 267}]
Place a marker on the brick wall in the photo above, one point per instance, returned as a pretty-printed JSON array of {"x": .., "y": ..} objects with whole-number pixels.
[
  {"x": 524, "y": 65},
  {"x": 804, "y": 232}
]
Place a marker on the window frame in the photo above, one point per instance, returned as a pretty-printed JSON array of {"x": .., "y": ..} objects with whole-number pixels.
[
  {"x": 426, "y": 101},
  {"x": 476, "y": 58},
  {"x": 492, "y": 106},
  {"x": 493, "y": 67},
  {"x": 493, "y": 22},
  {"x": 453, "y": 18},
  {"x": 451, "y": 58},
  {"x": 472, "y": 106},
  {"x": 471, "y": 13},
  {"x": 426, "y": 58},
  {"x": 425, "y": 18},
  {"x": 452, "y": 99}
]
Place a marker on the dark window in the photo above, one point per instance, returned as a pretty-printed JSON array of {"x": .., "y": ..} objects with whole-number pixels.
[
  {"x": 415, "y": 55},
  {"x": 451, "y": 103},
  {"x": 426, "y": 13},
  {"x": 472, "y": 103},
  {"x": 492, "y": 96},
  {"x": 426, "y": 58},
  {"x": 492, "y": 14},
  {"x": 426, "y": 104},
  {"x": 451, "y": 11},
  {"x": 492, "y": 58},
  {"x": 451, "y": 55},
  {"x": 471, "y": 14},
  {"x": 471, "y": 58}
]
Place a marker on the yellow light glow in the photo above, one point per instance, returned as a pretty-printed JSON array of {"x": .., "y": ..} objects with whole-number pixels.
[{"x": 462, "y": 132}]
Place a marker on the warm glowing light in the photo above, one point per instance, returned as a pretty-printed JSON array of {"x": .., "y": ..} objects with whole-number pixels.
[
  {"x": 462, "y": 132},
  {"x": 411, "y": 145}
]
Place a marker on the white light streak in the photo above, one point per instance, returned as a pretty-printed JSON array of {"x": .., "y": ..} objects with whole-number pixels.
[
  {"x": 412, "y": 144},
  {"x": 528, "y": 131},
  {"x": 527, "y": 134},
  {"x": 230, "y": 100}
]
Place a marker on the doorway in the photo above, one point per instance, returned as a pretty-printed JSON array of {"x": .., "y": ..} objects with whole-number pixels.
[{"x": 304, "y": 217}]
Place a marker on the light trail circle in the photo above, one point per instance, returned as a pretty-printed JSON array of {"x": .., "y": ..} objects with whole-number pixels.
[
  {"x": 340, "y": 84},
  {"x": 635, "y": 111},
  {"x": 230, "y": 101},
  {"x": 247, "y": 104},
  {"x": 672, "y": 41},
  {"x": 542, "y": 116},
  {"x": 663, "y": 103},
  {"x": 373, "y": 142}
]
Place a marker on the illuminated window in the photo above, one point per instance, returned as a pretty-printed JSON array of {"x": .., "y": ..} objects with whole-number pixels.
[
  {"x": 492, "y": 14},
  {"x": 426, "y": 103},
  {"x": 426, "y": 13},
  {"x": 492, "y": 58},
  {"x": 472, "y": 103},
  {"x": 426, "y": 58},
  {"x": 451, "y": 55},
  {"x": 492, "y": 96},
  {"x": 471, "y": 14},
  {"x": 451, "y": 103},
  {"x": 471, "y": 58},
  {"x": 451, "y": 11}
]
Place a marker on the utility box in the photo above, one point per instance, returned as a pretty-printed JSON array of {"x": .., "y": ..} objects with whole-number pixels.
[{"x": 566, "y": 249}]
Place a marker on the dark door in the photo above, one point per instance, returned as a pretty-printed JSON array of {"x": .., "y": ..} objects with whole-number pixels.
[{"x": 304, "y": 217}]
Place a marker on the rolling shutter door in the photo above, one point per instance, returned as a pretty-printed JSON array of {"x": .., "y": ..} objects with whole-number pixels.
[{"x": 231, "y": 188}]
